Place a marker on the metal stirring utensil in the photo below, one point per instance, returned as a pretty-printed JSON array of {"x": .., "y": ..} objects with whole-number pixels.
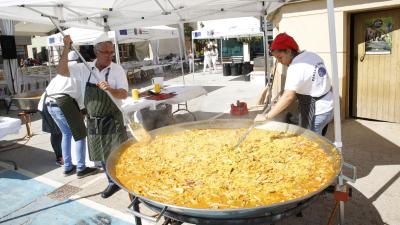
[{"x": 244, "y": 136}]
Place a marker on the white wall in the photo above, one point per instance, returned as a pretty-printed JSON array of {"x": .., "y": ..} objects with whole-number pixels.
[
  {"x": 37, "y": 42},
  {"x": 307, "y": 22}
]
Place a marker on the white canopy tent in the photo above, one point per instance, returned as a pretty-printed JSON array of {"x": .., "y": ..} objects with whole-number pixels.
[
  {"x": 80, "y": 36},
  {"x": 153, "y": 34},
  {"x": 146, "y": 34},
  {"x": 229, "y": 28},
  {"x": 122, "y": 14},
  {"x": 237, "y": 27}
]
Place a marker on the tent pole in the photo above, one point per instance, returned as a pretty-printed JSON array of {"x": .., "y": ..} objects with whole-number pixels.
[
  {"x": 192, "y": 59},
  {"x": 180, "y": 57},
  {"x": 263, "y": 20},
  {"x": 335, "y": 84},
  {"x": 221, "y": 55},
  {"x": 49, "y": 62},
  {"x": 117, "y": 58}
]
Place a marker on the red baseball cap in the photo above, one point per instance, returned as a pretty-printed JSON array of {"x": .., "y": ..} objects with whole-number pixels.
[{"x": 284, "y": 41}]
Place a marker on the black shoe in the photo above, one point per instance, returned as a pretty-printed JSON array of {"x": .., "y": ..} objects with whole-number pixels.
[
  {"x": 86, "y": 172},
  {"x": 110, "y": 190},
  {"x": 59, "y": 161},
  {"x": 70, "y": 172}
]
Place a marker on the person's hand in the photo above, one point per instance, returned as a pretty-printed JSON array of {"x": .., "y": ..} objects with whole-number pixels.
[
  {"x": 261, "y": 118},
  {"x": 103, "y": 85},
  {"x": 67, "y": 41}
]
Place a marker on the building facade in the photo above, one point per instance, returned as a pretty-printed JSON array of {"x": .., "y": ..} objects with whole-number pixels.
[{"x": 368, "y": 50}]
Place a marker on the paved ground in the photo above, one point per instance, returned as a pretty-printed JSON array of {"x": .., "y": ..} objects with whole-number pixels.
[{"x": 38, "y": 193}]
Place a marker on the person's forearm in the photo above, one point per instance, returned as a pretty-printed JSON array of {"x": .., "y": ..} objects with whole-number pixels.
[
  {"x": 63, "y": 64},
  {"x": 118, "y": 93},
  {"x": 287, "y": 98}
]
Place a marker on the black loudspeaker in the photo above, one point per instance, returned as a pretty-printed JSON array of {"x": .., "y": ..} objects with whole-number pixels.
[{"x": 8, "y": 47}]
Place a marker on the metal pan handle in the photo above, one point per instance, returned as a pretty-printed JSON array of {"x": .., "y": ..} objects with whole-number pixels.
[
  {"x": 354, "y": 169},
  {"x": 142, "y": 216}
]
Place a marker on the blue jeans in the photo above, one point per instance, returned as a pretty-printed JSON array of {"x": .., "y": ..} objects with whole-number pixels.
[
  {"x": 320, "y": 121},
  {"x": 80, "y": 145}
]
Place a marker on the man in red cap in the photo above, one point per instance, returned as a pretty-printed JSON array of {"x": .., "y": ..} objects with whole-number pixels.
[{"x": 307, "y": 80}]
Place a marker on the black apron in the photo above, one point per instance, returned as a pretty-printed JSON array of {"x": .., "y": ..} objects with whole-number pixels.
[
  {"x": 69, "y": 107},
  {"x": 307, "y": 109},
  {"x": 48, "y": 124},
  {"x": 105, "y": 124}
]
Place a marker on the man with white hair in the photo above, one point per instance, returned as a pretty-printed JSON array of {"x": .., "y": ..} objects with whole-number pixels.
[{"x": 105, "y": 125}]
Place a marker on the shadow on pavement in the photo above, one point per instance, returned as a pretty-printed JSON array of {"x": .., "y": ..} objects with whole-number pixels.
[{"x": 34, "y": 160}]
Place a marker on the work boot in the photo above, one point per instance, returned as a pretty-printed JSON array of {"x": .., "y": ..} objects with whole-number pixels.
[
  {"x": 86, "y": 172},
  {"x": 110, "y": 190}
]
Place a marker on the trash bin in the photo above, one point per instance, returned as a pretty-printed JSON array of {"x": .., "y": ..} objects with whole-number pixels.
[
  {"x": 247, "y": 77},
  {"x": 240, "y": 68},
  {"x": 234, "y": 69},
  {"x": 246, "y": 68},
  {"x": 226, "y": 69}
]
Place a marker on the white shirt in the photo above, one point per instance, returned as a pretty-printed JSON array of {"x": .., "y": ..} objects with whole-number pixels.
[
  {"x": 116, "y": 77},
  {"x": 307, "y": 75},
  {"x": 66, "y": 85}
]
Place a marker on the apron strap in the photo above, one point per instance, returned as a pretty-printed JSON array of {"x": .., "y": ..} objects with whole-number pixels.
[
  {"x": 90, "y": 75},
  {"x": 107, "y": 74}
]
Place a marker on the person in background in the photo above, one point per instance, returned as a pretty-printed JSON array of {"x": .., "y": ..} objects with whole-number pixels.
[
  {"x": 307, "y": 81},
  {"x": 191, "y": 61},
  {"x": 103, "y": 97},
  {"x": 21, "y": 62},
  {"x": 214, "y": 57},
  {"x": 207, "y": 59}
]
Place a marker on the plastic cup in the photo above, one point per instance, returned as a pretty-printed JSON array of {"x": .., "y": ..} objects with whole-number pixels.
[
  {"x": 157, "y": 88},
  {"x": 135, "y": 94}
]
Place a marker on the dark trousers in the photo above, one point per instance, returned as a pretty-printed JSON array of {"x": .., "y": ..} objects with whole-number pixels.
[
  {"x": 103, "y": 164},
  {"x": 55, "y": 140}
]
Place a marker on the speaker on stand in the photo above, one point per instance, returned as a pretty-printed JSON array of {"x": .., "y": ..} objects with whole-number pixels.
[{"x": 9, "y": 51}]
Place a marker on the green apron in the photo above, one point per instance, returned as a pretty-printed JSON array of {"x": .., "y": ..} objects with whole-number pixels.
[
  {"x": 69, "y": 107},
  {"x": 105, "y": 124}
]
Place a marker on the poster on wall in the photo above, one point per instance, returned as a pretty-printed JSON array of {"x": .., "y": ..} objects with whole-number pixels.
[{"x": 378, "y": 35}]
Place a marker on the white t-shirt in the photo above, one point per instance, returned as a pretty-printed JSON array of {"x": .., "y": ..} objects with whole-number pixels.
[
  {"x": 116, "y": 77},
  {"x": 66, "y": 85},
  {"x": 307, "y": 75}
]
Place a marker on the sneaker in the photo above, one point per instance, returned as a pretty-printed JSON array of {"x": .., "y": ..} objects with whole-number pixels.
[
  {"x": 86, "y": 172},
  {"x": 70, "y": 172},
  {"x": 59, "y": 161}
]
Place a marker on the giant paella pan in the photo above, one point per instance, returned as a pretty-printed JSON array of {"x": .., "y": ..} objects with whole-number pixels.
[{"x": 180, "y": 172}]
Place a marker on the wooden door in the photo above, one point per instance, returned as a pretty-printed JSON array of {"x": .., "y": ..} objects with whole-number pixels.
[{"x": 376, "y": 63}]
